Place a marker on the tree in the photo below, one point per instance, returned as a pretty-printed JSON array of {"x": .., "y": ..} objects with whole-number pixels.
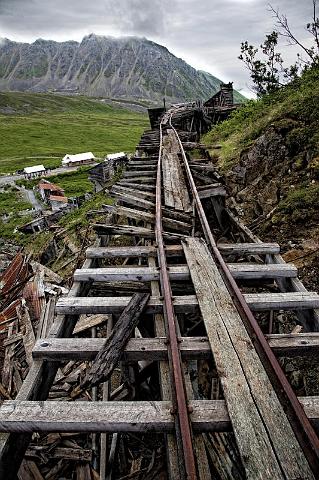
[{"x": 268, "y": 72}]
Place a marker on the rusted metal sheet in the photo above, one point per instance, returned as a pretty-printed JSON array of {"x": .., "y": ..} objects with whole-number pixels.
[{"x": 14, "y": 278}]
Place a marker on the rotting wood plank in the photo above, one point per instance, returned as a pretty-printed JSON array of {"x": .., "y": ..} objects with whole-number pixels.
[
  {"x": 266, "y": 441},
  {"x": 137, "y": 186},
  {"x": 109, "y": 355},
  {"x": 212, "y": 192},
  {"x": 112, "y": 416},
  {"x": 140, "y": 173},
  {"x": 100, "y": 305},
  {"x": 175, "y": 190},
  {"x": 141, "y": 180},
  {"x": 147, "y": 274},
  {"x": 249, "y": 271},
  {"x": 147, "y": 217},
  {"x": 137, "y": 349},
  {"x": 282, "y": 301},
  {"x": 155, "y": 349},
  {"x": 138, "y": 274},
  {"x": 131, "y": 191},
  {"x": 137, "y": 251},
  {"x": 248, "y": 248},
  {"x": 116, "y": 229}
]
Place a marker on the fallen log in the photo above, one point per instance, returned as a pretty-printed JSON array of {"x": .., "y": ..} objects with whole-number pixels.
[{"x": 109, "y": 356}]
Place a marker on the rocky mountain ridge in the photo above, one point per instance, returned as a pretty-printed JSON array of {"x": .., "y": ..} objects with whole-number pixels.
[{"x": 127, "y": 68}]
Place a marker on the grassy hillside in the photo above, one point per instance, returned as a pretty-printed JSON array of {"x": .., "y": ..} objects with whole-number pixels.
[
  {"x": 270, "y": 157},
  {"x": 293, "y": 110},
  {"x": 47, "y": 126}
]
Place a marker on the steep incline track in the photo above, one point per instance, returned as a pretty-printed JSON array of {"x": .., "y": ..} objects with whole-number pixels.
[{"x": 218, "y": 394}]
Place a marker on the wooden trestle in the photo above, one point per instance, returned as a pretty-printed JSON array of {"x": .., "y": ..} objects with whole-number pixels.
[{"x": 248, "y": 406}]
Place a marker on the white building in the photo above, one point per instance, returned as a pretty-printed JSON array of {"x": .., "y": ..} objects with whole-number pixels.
[
  {"x": 32, "y": 172},
  {"x": 115, "y": 156},
  {"x": 78, "y": 159}
]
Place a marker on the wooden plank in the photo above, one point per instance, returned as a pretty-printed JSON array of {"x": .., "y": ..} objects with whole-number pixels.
[
  {"x": 282, "y": 301},
  {"x": 130, "y": 191},
  {"x": 265, "y": 439},
  {"x": 116, "y": 229},
  {"x": 150, "y": 180},
  {"x": 147, "y": 274},
  {"x": 134, "y": 274},
  {"x": 135, "y": 201},
  {"x": 294, "y": 344},
  {"x": 248, "y": 248},
  {"x": 175, "y": 189},
  {"x": 139, "y": 251},
  {"x": 147, "y": 217},
  {"x": 142, "y": 416},
  {"x": 137, "y": 186},
  {"x": 86, "y": 322},
  {"x": 137, "y": 349},
  {"x": 111, "y": 351},
  {"x": 140, "y": 173},
  {"x": 155, "y": 349},
  {"x": 100, "y": 305},
  {"x": 248, "y": 271},
  {"x": 212, "y": 192}
]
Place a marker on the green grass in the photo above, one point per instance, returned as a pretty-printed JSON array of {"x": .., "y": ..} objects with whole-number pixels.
[
  {"x": 293, "y": 111},
  {"x": 12, "y": 203},
  {"x": 47, "y": 126}
]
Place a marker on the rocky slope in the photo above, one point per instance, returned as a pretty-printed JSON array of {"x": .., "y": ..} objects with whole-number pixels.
[
  {"x": 128, "y": 68},
  {"x": 270, "y": 157}
]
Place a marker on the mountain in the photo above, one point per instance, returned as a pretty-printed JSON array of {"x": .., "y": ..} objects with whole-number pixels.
[{"x": 127, "y": 68}]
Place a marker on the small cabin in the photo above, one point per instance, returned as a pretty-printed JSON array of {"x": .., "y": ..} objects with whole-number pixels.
[
  {"x": 78, "y": 159},
  {"x": 58, "y": 202},
  {"x": 46, "y": 189},
  {"x": 34, "y": 172},
  {"x": 223, "y": 98}
]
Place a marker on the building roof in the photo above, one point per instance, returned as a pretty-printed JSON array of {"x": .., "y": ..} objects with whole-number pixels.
[
  {"x": 50, "y": 186},
  {"x": 57, "y": 198},
  {"x": 78, "y": 157},
  {"x": 35, "y": 169},
  {"x": 115, "y": 156}
]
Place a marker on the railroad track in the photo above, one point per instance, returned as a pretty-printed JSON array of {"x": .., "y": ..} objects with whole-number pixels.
[{"x": 207, "y": 302}]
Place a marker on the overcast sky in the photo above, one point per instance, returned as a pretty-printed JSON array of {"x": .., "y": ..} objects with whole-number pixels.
[{"x": 207, "y": 33}]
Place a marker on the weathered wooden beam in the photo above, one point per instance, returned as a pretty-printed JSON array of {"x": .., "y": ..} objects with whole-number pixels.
[
  {"x": 248, "y": 248},
  {"x": 34, "y": 416},
  {"x": 137, "y": 274},
  {"x": 111, "y": 351},
  {"x": 137, "y": 186},
  {"x": 131, "y": 191},
  {"x": 116, "y": 229},
  {"x": 248, "y": 271},
  {"x": 147, "y": 217},
  {"x": 155, "y": 349},
  {"x": 139, "y": 251},
  {"x": 145, "y": 274},
  {"x": 100, "y": 305},
  {"x": 212, "y": 192},
  {"x": 282, "y": 301},
  {"x": 137, "y": 349},
  {"x": 259, "y": 421}
]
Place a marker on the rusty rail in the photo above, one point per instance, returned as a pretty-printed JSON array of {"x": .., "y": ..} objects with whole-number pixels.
[
  {"x": 181, "y": 411},
  {"x": 299, "y": 421}
]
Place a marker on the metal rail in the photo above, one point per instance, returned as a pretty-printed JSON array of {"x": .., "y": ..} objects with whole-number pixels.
[
  {"x": 182, "y": 421},
  {"x": 300, "y": 423}
]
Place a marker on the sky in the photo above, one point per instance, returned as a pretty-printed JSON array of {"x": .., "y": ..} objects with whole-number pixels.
[{"x": 207, "y": 33}]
